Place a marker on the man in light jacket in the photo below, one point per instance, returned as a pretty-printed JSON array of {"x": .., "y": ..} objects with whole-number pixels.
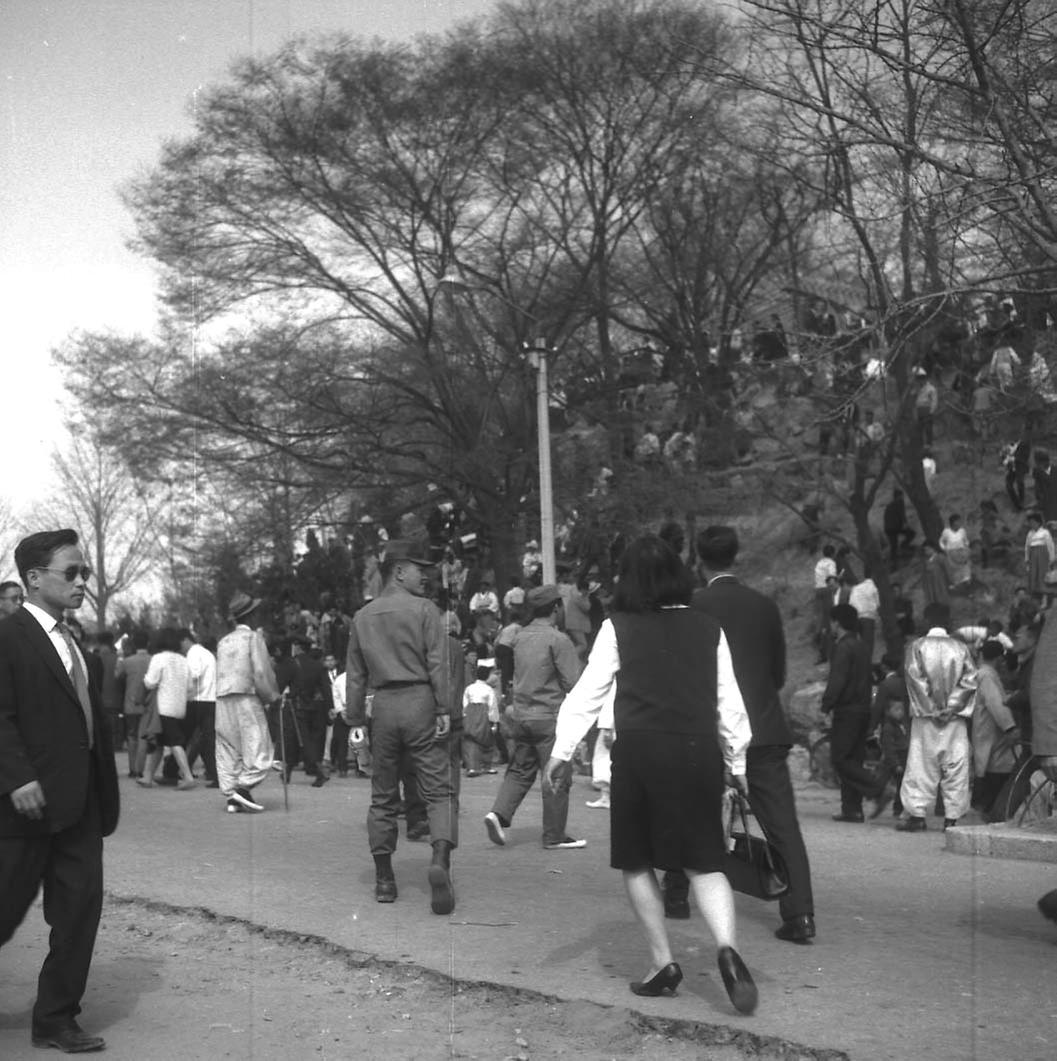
[{"x": 941, "y": 688}]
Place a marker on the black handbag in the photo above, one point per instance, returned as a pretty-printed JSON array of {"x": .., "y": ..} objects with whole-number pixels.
[{"x": 753, "y": 866}]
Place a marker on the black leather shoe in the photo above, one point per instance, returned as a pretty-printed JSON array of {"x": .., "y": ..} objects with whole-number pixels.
[
  {"x": 70, "y": 1040},
  {"x": 736, "y": 979},
  {"x": 797, "y": 929},
  {"x": 1048, "y": 905},
  {"x": 668, "y": 979},
  {"x": 949, "y": 823},
  {"x": 441, "y": 892},
  {"x": 418, "y": 832},
  {"x": 385, "y": 889},
  {"x": 911, "y": 825},
  {"x": 858, "y": 819},
  {"x": 321, "y": 780}
]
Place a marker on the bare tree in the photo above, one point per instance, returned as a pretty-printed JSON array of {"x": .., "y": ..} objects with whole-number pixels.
[{"x": 99, "y": 497}]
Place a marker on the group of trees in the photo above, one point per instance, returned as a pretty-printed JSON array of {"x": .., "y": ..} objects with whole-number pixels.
[{"x": 604, "y": 175}]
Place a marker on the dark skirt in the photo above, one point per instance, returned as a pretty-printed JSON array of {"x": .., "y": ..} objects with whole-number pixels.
[{"x": 666, "y": 802}]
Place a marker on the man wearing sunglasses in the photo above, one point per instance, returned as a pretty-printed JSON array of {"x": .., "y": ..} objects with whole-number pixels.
[{"x": 58, "y": 783}]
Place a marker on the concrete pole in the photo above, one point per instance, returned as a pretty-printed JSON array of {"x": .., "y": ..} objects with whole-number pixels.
[{"x": 538, "y": 359}]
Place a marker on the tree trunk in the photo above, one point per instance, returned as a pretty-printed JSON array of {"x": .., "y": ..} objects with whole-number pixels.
[{"x": 874, "y": 567}]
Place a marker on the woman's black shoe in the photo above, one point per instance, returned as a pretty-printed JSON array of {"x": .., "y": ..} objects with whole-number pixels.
[
  {"x": 736, "y": 979},
  {"x": 667, "y": 979}
]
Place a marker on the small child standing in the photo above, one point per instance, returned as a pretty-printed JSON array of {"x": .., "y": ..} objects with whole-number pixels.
[
  {"x": 480, "y": 710},
  {"x": 895, "y": 744}
]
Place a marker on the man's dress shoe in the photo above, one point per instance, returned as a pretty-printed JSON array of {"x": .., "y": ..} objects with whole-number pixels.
[
  {"x": 70, "y": 1039},
  {"x": 797, "y": 929},
  {"x": 911, "y": 825},
  {"x": 858, "y": 819},
  {"x": 385, "y": 890},
  {"x": 737, "y": 980},
  {"x": 667, "y": 979}
]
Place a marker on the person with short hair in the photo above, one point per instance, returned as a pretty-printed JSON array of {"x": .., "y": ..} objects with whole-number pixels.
[
  {"x": 848, "y": 698},
  {"x": 11, "y": 598},
  {"x": 941, "y": 686},
  {"x": 201, "y": 722},
  {"x": 682, "y": 731},
  {"x": 995, "y": 735},
  {"x": 399, "y": 647},
  {"x": 166, "y": 677},
  {"x": 58, "y": 783},
  {"x": 546, "y": 668},
  {"x": 130, "y": 671}
]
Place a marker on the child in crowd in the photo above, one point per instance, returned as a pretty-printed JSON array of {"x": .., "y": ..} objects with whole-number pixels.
[
  {"x": 895, "y": 743},
  {"x": 480, "y": 711}
]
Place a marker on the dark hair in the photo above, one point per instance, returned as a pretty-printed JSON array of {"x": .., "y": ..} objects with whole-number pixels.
[
  {"x": 992, "y": 649},
  {"x": 651, "y": 575},
  {"x": 36, "y": 550},
  {"x": 829, "y": 550},
  {"x": 483, "y": 673},
  {"x": 140, "y": 639},
  {"x": 846, "y": 616},
  {"x": 167, "y": 639},
  {"x": 184, "y": 633},
  {"x": 1035, "y": 517},
  {"x": 937, "y": 614},
  {"x": 954, "y": 516},
  {"x": 717, "y": 547},
  {"x": 672, "y": 533},
  {"x": 5, "y": 586},
  {"x": 105, "y": 637}
]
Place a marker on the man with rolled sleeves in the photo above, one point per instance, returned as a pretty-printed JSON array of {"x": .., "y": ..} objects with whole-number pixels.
[
  {"x": 399, "y": 648},
  {"x": 546, "y": 667}
]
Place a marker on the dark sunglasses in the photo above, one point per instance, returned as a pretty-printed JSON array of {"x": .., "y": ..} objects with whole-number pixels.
[{"x": 71, "y": 572}]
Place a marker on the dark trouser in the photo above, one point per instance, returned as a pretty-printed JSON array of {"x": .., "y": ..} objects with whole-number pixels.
[
  {"x": 133, "y": 741},
  {"x": 823, "y": 603},
  {"x": 774, "y": 805},
  {"x": 896, "y": 538},
  {"x": 404, "y": 720},
  {"x": 339, "y": 745},
  {"x": 69, "y": 865},
  {"x": 533, "y": 742},
  {"x": 201, "y": 730},
  {"x": 1015, "y": 487},
  {"x": 847, "y": 751},
  {"x": 305, "y": 734},
  {"x": 868, "y": 634}
]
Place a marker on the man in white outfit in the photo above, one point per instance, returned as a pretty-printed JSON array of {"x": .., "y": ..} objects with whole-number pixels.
[
  {"x": 941, "y": 686},
  {"x": 245, "y": 687}
]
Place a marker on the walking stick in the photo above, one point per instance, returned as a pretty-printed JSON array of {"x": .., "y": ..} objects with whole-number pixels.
[{"x": 282, "y": 751}]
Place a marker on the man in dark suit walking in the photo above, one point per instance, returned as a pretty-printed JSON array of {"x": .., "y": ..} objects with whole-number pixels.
[
  {"x": 58, "y": 783},
  {"x": 753, "y": 627}
]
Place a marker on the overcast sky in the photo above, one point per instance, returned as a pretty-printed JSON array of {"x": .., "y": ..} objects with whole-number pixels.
[{"x": 88, "y": 91}]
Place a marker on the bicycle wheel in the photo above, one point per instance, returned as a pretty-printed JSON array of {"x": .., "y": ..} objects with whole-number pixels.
[
  {"x": 1041, "y": 801},
  {"x": 1015, "y": 791}
]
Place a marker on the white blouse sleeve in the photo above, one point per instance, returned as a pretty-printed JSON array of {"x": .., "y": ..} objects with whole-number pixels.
[
  {"x": 735, "y": 731},
  {"x": 584, "y": 701}
]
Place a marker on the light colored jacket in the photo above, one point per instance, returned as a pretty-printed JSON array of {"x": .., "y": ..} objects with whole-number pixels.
[
  {"x": 243, "y": 666},
  {"x": 941, "y": 677},
  {"x": 992, "y": 748}
]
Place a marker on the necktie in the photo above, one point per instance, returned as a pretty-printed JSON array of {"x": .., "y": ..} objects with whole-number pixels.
[{"x": 80, "y": 682}]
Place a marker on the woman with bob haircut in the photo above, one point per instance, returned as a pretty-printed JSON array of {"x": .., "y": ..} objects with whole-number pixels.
[{"x": 682, "y": 732}]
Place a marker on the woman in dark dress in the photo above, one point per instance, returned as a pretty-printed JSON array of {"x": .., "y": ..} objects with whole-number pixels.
[{"x": 681, "y": 731}]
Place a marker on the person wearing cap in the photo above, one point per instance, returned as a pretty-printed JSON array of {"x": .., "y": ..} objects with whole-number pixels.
[
  {"x": 546, "y": 667},
  {"x": 245, "y": 687},
  {"x": 400, "y": 649}
]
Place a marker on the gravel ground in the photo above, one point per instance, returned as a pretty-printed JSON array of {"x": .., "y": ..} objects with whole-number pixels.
[{"x": 176, "y": 984}]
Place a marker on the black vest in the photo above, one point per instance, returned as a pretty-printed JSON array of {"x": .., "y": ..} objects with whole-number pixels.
[{"x": 667, "y": 677}]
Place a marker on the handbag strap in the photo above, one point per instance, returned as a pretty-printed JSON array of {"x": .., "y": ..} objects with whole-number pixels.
[{"x": 739, "y": 800}]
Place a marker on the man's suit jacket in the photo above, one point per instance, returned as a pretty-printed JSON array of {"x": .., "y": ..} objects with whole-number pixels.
[
  {"x": 753, "y": 626},
  {"x": 43, "y": 736}
]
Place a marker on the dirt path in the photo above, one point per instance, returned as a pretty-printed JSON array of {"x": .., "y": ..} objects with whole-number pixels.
[{"x": 173, "y": 984}]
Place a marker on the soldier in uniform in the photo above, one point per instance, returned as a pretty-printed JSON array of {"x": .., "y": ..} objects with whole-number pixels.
[{"x": 399, "y": 648}]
